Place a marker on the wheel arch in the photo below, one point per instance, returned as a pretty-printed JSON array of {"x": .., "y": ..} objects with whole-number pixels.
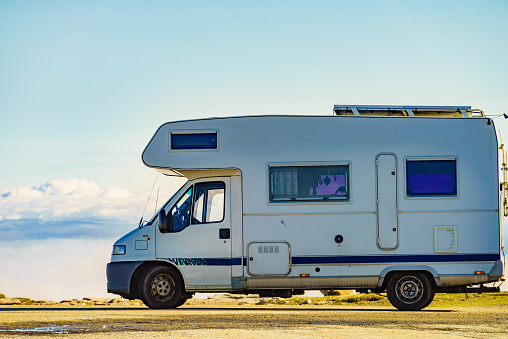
[
  {"x": 385, "y": 275},
  {"x": 134, "y": 283}
]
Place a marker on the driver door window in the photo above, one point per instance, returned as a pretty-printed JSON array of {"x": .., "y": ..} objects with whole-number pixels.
[
  {"x": 181, "y": 211},
  {"x": 208, "y": 205}
]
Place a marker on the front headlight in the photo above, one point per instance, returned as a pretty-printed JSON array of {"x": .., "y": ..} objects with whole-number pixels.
[{"x": 118, "y": 249}]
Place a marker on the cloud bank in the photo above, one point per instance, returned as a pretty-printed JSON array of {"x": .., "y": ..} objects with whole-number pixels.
[
  {"x": 70, "y": 208},
  {"x": 56, "y": 238}
]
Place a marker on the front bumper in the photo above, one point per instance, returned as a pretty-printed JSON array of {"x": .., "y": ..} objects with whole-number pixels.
[{"x": 119, "y": 276}]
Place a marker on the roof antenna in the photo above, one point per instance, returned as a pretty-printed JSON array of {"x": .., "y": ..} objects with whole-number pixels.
[
  {"x": 141, "y": 220},
  {"x": 157, "y": 199}
]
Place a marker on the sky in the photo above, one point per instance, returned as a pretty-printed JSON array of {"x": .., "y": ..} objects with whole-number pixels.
[{"x": 85, "y": 84}]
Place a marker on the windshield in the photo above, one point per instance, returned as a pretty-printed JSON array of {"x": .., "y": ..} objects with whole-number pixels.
[{"x": 154, "y": 217}]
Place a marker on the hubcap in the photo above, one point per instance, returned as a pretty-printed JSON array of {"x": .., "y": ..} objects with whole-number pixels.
[
  {"x": 163, "y": 287},
  {"x": 409, "y": 289}
]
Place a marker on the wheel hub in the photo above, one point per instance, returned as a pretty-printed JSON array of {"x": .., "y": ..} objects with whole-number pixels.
[
  {"x": 409, "y": 289},
  {"x": 162, "y": 287}
]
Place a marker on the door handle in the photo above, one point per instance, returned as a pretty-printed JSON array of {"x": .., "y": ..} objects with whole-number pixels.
[{"x": 224, "y": 233}]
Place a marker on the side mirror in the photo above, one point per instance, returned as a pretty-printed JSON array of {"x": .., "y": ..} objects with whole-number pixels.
[{"x": 165, "y": 224}]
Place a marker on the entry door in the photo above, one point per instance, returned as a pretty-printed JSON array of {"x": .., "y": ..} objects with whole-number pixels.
[
  {"x": 201, "y": 247},
  {"x": 387, "y": 210}
]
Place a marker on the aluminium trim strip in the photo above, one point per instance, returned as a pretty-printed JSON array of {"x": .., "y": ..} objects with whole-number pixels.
[
  {"x": 364, "y": 212},
  {"x": 455, "y": 211},
  {"x": 303, "y": 213}
]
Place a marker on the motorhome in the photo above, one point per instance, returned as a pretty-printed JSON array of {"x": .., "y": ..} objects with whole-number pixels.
[{"x": 402, "y": 199}]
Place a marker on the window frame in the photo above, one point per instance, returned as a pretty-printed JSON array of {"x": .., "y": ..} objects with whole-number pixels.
[
  {"x": 194, "y": 201},
  {"x": 191, "y": 207},
  {"x": 349, "y": 199},
  {"x": 179, "y": 194},
  {"x": 437, "y": 196},
  {"x": 193, "y": 131}
]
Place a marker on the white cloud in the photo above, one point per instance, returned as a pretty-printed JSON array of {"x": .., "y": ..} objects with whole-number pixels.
[
  {"x": 67, "y": 208},
  {"x": 69, "y": 199},
  {"x": 56, "y": 238}
]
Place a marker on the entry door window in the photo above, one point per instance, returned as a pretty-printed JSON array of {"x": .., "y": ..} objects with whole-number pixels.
[{"x": 208, "y": 203}]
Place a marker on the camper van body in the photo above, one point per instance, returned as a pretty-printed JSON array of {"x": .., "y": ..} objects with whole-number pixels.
[{"x": 280, "y": 204}]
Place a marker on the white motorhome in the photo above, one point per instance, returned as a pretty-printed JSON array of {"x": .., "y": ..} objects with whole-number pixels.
[{"x": 400, "y": 199}]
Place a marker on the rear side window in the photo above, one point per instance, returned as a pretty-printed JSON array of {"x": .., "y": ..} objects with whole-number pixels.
[
  {"x": 190, "y": 141},
  {"x": 431, "y": 177},
  {"x": 309, "y": 183}
]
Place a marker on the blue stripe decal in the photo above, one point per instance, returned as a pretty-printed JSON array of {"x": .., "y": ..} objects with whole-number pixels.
[
  {"x": 237, "y": 261},
  {"x": 345, "y": 259},
  {"x": 205, "y": 261},
  {"x": 377, "y": 259}
]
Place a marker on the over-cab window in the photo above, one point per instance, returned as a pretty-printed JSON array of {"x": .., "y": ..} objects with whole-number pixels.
[
  {"x": 193, "y": 141},
  {"x": 309, "y": 183},
  {"x": 431, "y": 177}
]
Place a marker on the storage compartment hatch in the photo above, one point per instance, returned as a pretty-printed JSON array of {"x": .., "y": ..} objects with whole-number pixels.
[
  {"x": 269, "y": 259},
  {"x": 445, "y": 239}
]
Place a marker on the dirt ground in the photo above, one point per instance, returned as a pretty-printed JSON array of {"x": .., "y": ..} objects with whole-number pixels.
[{"x": 252, "y": 321}]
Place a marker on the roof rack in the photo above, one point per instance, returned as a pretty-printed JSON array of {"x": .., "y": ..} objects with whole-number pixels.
[{"x": 407, "y": 111}]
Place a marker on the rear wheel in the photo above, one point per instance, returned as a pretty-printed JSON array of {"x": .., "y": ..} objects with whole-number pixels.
[
  {"x": 410, "y": 291},
  {"x": 161, "y": 287}
]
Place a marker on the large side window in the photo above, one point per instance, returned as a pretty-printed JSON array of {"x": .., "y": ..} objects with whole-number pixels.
[
  {"x": 431, "y": 177},
  {"x": 309, "y": 183},
  {"x": 208, "y": 203}
]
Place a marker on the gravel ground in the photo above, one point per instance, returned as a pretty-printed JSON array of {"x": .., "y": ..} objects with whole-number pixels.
[{"x": 251, "y": 321}]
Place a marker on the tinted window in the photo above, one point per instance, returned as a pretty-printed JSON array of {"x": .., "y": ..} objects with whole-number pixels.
[
  {"x": 309, "y": 183},
  {"x": 181, "y": 211},
  {"x": 431, "y": 177},
  {"x": 194, "y": 141}
]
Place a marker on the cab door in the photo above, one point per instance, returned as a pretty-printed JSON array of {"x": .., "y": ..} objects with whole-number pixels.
[{"x": 200, "y": 241}]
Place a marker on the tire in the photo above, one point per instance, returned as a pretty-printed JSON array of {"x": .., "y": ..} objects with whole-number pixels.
[
  {"x": 410, "y": 291},
  {"x": 181, "y": 301},
  {"x": 161, "y": 287}
]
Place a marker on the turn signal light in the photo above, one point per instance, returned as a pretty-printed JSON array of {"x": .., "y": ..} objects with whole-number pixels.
[
  {"x": 304, "y": 275},
  {"x": 479, "y": 272}
]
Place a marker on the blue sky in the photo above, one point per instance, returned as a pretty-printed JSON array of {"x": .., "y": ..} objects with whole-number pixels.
[{"x": 85, "y": 84}]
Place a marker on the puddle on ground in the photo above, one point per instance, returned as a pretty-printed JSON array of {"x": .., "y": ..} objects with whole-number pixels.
[{"x": 65, "y": 329}]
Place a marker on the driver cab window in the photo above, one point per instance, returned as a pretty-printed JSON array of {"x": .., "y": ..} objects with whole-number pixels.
[
  {"x": 209, "y": 203},
  {"x": 181, "y": 211},
  {"x": 204, "y": 201}
]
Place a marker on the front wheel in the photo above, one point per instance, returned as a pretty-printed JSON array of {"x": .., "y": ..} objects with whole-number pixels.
[
  {"x": 160, "y": 287},
  {"x": 410, "y": 291}
]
